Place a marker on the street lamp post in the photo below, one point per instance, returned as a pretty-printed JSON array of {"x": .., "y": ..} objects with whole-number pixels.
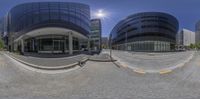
[
  {"x": 126, "y": 42},
  {"x": 110, "y": 41}
]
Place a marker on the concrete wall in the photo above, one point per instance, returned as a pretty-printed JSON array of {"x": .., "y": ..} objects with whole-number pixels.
[{"x": 186, "y": 37}]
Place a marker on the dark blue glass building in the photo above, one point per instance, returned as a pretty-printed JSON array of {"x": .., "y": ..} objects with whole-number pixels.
[
  {"x": 48, "y": 27},
  {"x": 147, "y": 31}
]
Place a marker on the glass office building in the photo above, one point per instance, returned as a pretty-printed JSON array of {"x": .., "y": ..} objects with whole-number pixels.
[
  {"x": 95, "y": 35},
  {"x": 48, "y": 27},
  {"x": 147, "y": 31}
]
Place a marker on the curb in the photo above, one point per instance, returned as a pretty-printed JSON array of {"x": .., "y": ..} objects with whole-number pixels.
[
  {"x": 84, "y": 60},
  {"x": 136, "y": 70},
  {"x": 140, "y": 71},
  {"x": 102, "y": 60},
  {"x": 49, "y": 68},
  {"x": 165, "y": 71},
  {"x": 99, "y": 60},
  {"x": 123, "y": 65}
]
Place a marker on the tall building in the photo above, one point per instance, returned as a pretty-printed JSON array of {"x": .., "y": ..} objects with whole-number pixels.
[
  {"x": 95, "y": 35},
  {"x": 197, "y": 32},
  {"x": 1, "y": 28},
  {"x": 5, "y": 30},
  {"x": 185, "y": 37},
  {"x": 147, "y": 31},
  {"x": 48, "y": 27}
]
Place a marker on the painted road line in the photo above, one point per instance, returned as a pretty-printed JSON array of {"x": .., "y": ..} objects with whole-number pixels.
[
  {"x": 140, "y": 71},
  {"x": 165, "y": 71}
]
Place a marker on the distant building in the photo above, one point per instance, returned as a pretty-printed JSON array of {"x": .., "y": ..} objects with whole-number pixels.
[
  {"x": 104, "y": 42},
  {"x": 1, "y": 27},
  {"x": 185, "y": 37},
  {"x": 95, "y": 35},
  {"x": 197, "y": 34}
]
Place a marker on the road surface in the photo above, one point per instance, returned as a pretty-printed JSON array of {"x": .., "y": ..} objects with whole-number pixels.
[{"x": 98, "y": 80}]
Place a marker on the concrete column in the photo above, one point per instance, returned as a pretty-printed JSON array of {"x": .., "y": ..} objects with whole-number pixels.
[
  {"x": 88, "y": 45},
  {"x": 70, "y": 43},
  {"x": 64, "y": 43},
  {"x": 22, "y": 45},
  {"x": 33, "y": 45},
  {"x": 15, "y": 47}
]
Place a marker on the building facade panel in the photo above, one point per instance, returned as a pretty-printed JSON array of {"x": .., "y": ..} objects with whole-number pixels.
[{"x": 146, "y": 31}]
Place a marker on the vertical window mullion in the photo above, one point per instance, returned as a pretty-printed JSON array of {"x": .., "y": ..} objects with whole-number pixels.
[{"x": 49, "y": 12}]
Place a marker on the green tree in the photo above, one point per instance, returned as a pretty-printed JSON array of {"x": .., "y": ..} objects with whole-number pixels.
[
  {"x": 1, "y": 44},
  {"x": 192, "y": 46},
  {"x": 197, "y": 45}
]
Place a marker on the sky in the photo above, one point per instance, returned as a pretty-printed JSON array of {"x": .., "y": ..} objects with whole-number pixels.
[{"x": 186, "y": 11}]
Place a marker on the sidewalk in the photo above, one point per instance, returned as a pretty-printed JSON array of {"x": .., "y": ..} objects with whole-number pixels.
[
  {"x": 49, "y": 63},
  {"x": 102, "y": 57}
]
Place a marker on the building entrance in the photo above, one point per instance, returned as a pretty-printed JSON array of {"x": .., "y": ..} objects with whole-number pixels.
[
  {"x": 47, "y": 44},
  {"x": 58, "y": 46}
]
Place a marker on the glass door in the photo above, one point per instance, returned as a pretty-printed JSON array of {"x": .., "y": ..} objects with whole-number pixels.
[{"x": 58, "y": 46}]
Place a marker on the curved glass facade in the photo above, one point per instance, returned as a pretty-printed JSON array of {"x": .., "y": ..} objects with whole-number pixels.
[
  {"x": 28, "y": 17},
  {"x": 147, "y": 31}
]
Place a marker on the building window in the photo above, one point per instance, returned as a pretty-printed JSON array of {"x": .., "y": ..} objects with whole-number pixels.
[{"x": 75, "y": 44}]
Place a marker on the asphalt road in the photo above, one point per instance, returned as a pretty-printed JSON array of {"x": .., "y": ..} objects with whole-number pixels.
[
  {"x": 98, "y": 81},
  {"x": 151, "y": 61}
]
